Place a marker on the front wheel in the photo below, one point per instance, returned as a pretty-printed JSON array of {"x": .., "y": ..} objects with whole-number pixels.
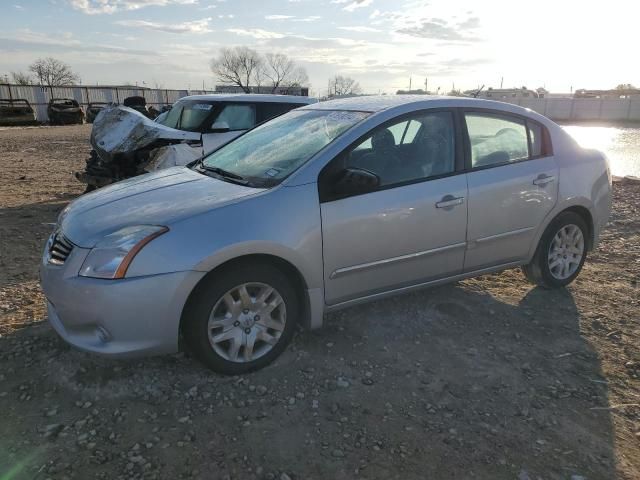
[
  {"x": 561, "y": 252},
  {"x": 241, "y": 319}
]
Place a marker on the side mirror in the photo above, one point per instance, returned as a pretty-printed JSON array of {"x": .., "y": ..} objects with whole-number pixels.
[
  {"x": 354, "y": 181},
  {"x": 219, "y": 127}
]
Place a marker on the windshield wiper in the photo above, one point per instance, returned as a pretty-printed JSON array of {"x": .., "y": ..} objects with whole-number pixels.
[{"x": 225, "y": 174}]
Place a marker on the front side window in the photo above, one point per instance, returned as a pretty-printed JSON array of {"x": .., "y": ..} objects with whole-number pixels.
[
  {"x": 236, "y": 117},
  {"x": 272, "y": 151},
  {"x": 416, "y": 148},
  {"x": 188, "y": 115},
  {"x": 496, "y": 139}
]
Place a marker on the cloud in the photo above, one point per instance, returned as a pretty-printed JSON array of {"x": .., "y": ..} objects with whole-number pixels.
[
  {"x": 195, "y": 26},
  {"x": 360, "y": 29},
  {"x": 27, "y": 40},
  {"x": 96, "y": 7},
  {"x": 357, "y": 4},
  {"x": 441, "y": 29},
  {"x": 310, "y": 18},
  {"x": 258, "y": 33},
  {"x": 18, "y": 7},
  {"x": 293, "y": 18},
  {"x": 278, "y": 17}
]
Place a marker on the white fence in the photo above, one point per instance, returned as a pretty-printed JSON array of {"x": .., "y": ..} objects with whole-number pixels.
[
  {"x": 39, "y": 96},
  {"x": 583, "y": 109},
  {"x": 560, "y": 109}
]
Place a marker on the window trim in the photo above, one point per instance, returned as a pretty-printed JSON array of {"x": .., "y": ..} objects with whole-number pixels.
[
  {"x": 547, "y": 146},
  {"x": 458, "y": 155}
]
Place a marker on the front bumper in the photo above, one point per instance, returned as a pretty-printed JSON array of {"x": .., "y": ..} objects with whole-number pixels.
[{"x": 129, "y": 317}]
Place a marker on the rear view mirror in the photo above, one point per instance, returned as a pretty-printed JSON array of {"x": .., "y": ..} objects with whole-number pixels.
[
  {"x": 353, "y": 181},
  {"x": 219, "y": 127}
]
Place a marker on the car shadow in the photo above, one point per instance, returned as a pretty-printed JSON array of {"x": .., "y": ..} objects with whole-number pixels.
[{"x": 476, "y": 386}]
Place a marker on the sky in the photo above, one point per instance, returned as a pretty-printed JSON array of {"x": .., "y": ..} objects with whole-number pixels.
[{"x": 385, "y": 45}]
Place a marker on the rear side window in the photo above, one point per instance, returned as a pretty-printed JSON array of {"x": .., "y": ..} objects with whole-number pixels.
[
  {"x": 236, "y": 117},
  {"x": 535, "y": 137},
  {"x": 267, "y": 111},
  {"x": 539, "y": 140},
  {"x": 495, "y": 139}
]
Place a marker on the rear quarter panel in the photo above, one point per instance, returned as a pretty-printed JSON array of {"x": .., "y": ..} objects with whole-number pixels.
[{"x": 584, "y": 181}]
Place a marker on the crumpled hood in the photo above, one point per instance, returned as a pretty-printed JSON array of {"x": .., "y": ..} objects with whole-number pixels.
[
  {"x": 123, "y": 129},
  {"x": 160, "y": 198}
]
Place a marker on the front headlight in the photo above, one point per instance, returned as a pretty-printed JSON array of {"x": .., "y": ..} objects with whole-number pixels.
[{"x": 111, "y": 257}]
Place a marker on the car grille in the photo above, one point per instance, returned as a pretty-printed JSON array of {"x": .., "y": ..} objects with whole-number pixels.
[{"x": 60, "y": 249}]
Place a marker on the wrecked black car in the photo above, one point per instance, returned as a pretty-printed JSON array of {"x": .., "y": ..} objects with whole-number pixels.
[
  {"x": 93, "y": 109},
  {"x": 16, "y": 112},
  {"x": 139, "y": 104},
  {"x": 64, "y": 111}
]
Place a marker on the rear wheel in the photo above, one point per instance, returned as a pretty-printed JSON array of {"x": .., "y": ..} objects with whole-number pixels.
[
  {"x": 561, "y": 252},
  {"x": 241, "y": 319}
]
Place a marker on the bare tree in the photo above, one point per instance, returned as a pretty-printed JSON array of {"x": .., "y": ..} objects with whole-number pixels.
[
  {"x": 21, "y": 78},
  {"x": 53, "y": 73},
  {"x": 237, "y": 66},
  {"x": 340, "y": 85},
  {"x": 625, "y": 86},
  {"x": 282, "y": 71}
]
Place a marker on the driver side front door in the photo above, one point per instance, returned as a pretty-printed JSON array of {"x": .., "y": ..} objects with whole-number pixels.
[{"x": 412, "y": 228}]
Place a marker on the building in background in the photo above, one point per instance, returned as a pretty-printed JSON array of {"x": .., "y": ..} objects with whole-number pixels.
[
  {"x": 613, "y": 93},
  {"x": 298, "y": 91},
  {"x": 505, "y": 93}
]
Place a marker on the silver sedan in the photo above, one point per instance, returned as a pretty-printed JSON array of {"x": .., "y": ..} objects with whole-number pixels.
[{"x": 327, "y": 206}]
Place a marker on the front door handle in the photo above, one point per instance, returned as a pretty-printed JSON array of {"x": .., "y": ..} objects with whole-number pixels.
[
  {"x": 449, "y": 201},
  {"x": 543, "y": 179}
]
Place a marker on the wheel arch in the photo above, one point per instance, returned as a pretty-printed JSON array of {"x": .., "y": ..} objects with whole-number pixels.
[
  {"x": 585, "y": 214},
  {"x": 299, "y": 282},
  {"x": 578, "y": 208}
]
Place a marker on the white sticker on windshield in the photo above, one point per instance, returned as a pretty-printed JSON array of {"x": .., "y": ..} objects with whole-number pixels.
[
  {"x": 272, "y": 172},
  {"x": 202, "y": 106}
]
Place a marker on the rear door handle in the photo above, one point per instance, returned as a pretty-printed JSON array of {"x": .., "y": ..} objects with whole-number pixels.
[
  {"x": 449, "y": 201},
  {"x": 543, "y": 179}
]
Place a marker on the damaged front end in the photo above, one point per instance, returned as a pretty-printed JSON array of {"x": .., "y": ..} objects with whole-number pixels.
[{"x": 126, "y": 144}]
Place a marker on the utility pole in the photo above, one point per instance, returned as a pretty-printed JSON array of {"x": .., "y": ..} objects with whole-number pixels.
[
  {"x": 409, "y": 83},
  {"x": 426, "y": 84},
  {"x": 501, "y": 81}
]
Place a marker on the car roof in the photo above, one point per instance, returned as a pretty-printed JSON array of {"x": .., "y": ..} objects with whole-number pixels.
[
  {"x": 379, "y": 103},
  {"x": 253, "y": 98}
]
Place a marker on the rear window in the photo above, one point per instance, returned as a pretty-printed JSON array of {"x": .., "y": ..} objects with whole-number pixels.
[
  {"x": 495, "y": 139},
  {"x": 499, "y": 139}
]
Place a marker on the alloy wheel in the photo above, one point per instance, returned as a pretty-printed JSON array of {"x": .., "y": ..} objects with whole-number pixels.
[
  {"x": 566, "y": 251},
  {"x": 247, "y": 322}
]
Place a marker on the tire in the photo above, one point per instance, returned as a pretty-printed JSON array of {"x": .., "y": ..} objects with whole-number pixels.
[
  {"x": 217, "y": 310},
  {"x": 544, "y": 269},
  {"x": 90, "y": 188}
]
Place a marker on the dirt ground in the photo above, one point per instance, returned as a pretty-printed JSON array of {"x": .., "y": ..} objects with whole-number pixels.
[{"x": 487, "y": 378}]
